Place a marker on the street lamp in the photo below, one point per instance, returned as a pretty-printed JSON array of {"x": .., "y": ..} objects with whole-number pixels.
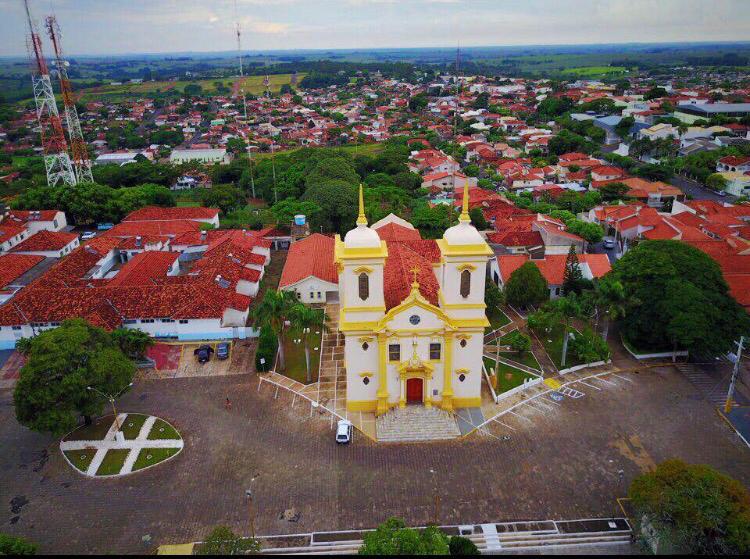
[
  {"x": 251, "y": 511},
  {"x": 111, "y": 399}
]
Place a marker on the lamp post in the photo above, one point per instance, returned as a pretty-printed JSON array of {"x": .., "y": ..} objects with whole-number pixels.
[
  {"x": 111, "y": 399},
  {"x": 251, "y": 510}
]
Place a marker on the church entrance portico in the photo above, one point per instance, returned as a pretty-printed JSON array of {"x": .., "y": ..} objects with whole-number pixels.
[{"x": 414, "y": 391}]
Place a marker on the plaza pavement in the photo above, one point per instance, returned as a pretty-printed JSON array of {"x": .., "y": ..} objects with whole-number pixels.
[{"x": 571, "y": 460}]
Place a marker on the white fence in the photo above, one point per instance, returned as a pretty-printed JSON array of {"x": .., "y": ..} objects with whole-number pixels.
[{"x": 584, "y": 366}]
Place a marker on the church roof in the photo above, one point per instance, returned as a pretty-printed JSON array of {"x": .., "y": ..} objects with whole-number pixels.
[{"x": 403, "y": 257}]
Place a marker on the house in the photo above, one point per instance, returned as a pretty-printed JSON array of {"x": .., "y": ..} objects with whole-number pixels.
[
  {"x": 219, "y": 155},
  {"x": 310, "y": 271},
  {"x": 606, "y": 173},
  {"x": 159, "y": 214},
  {"x": 552, "y": 267},
  {"x": 655, "y": 194},
  {"x": 50, "y": 244},
  {"x": 12, "y": 269},
  {"x": 659, "y": 132},
  {"x": 39, "y": 220},
  {"x": 446, "y": 181},
  {"x": 733, "y": 164}
]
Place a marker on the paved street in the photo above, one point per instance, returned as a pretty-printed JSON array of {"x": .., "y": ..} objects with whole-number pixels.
[
  {"x": 558, "y": 463},
  {"x": 698, "y": 191}
]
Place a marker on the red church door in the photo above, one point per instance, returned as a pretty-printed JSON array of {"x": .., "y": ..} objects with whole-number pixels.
[{"x": 414, "y": 390}]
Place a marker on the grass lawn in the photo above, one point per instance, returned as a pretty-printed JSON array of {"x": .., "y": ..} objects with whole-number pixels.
[
  {"x": 163, "y": 430},
  {"x": 595, "y": 70},
  {"x": 94, "y": 432},
  {"x": 527, "y": 358},
  {"x": 113, "y": 462},
  {"x": 81, "y": 458},
  {"x": 132, "y": 425},
  {"x": 151, "y": 456},
  {"x": 553, "y": 342},
  {"x": 497, "y": 318},
  {"x": 508, "y": 377},
  {"x": 295, "y": 358}
]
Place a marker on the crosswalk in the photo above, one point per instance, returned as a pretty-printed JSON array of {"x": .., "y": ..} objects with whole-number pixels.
[{"x": 714, "y": 391}]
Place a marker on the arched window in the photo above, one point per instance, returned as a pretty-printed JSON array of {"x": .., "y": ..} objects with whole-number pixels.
[
  {"x": 465, "y": 283},
  {"x": 364, "y": 286}
]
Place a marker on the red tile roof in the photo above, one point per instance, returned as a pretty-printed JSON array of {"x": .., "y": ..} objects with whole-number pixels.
[
  {"x": 552, "y": 266},
  {"x": 395, "y": 232},
  {"x": 398, "y": 277},
  {"x": 45, "y": 241},
  {"x": 144, "y": 267},
  {"x": 310, "y": 257},
  {"x": 13, "y": 266},
  {"x": 156, "y": 213}
]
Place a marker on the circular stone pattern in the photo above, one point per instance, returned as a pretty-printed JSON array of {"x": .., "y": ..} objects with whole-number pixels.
[{"x": 108, "y": 449}]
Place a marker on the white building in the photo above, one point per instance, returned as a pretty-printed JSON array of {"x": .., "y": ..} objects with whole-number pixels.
[{"x": 218, "y": 155}]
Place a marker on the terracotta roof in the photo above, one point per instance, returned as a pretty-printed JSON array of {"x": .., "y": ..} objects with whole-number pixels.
[
  {"x": 310, "y": 257},
  {"x": 45, "y": 241},
  {"x": 395, "y": 232},
  {"x": 10, "y": 230},
  {"x": 398, "y": 277},
  {"x": 516, "y": 238},
  {"x": 552, "y": 266},
  {"x": 156, "y": 213},
  {"x": 144, "y": 267},
  {"x": 152, "y": 228},
  {"x": 24, "y": 216},
  {"x": 13, "y": 266}
]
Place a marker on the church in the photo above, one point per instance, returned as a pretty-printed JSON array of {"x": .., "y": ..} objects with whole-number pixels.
[{"x": 412, "y": 313}]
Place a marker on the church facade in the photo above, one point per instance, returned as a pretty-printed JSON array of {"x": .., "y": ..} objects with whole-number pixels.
[{"x": 412, "y": 313}]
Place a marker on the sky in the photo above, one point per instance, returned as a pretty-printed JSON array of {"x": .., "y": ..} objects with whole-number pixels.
[{"x": 160, "y": 26}]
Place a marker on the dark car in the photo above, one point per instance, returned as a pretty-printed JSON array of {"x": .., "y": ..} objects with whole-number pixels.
[
  {"x": 222, "y": 351},
  {"x": 203, "y": 353}
]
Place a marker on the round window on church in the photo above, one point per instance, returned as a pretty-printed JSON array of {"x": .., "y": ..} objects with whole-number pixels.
[
  {"x": 462, "y": 343},
  {"x": 462, "y": 377},
  {"x": 366, "y": 381},
  {"x": 414, "y": 319}
]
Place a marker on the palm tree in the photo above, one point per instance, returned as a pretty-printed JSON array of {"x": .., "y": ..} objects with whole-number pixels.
[
  {"x": 273, "y": 312},
  {"x": 610, "y": 302},
  {"x": 305, "y": 321}
]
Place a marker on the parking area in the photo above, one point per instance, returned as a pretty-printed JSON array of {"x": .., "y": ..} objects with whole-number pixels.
[
  {"x": 10, "y": 365},
  {"x": 175, "y": 360},
  {"x": 551, "y": 459}
]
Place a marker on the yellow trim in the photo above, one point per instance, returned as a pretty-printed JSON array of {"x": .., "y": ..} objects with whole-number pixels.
[
  {"x": 342, "y": 252},
  {"x": 466, "y": 266},
  {"x": 467, "y": 402},
  {"x": 464, "y": 250},
  {"x": 367, "y": 374},
  {"x": 463, "y": 337},
  {"x": 463, "y": 371},
  {"x": 364, "y": 339},
  {"x": 414, "y": 299},
  {"x": 361, "y": 269},
  {"x": 362, "y": 405}
]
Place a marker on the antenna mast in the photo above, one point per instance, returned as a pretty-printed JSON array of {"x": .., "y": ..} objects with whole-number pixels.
[
  {"x": 81, "y": 161},
  {"x": 239, "y": 56},
  {"x": 56, "y": 159}
]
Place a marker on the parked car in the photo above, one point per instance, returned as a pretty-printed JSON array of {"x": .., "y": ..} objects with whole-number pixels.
[
  {"x": 344, "y": 432},
  {"x": 88, "y": 235},
  {"x": 222, "y": 351},
  {"x": 608, "y": 242},
  {"x": 203, "y": 353}
]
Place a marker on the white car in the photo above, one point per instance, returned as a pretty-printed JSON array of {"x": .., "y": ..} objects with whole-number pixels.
[
  {"x": 88, "y": 235},
  {"x": 608, "y": 242},
  {"x": 344, "y": 432}
]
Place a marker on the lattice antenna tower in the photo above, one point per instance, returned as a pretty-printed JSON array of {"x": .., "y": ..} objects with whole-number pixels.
[
  {"x": 239, "y": 57},
  {"x": 81, "y": 161},
  {"x": 55, "y": 148}
]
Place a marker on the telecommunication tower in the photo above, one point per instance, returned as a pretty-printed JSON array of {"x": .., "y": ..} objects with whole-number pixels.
[
  {"x": 239, "y": 56},
  {"x": 81, "y": 161},
  {"x": 56, "y": 159}
]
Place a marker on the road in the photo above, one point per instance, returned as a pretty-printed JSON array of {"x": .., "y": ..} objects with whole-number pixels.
[{"x": 697, "y": 190}]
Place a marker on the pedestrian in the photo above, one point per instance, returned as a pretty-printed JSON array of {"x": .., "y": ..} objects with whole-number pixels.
[{"x": 228, "y": 404}]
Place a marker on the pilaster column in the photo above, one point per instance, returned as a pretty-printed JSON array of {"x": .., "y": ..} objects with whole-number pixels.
[
  {"x": 447, "y": 402},
  {"x": 382, "y": 393}
]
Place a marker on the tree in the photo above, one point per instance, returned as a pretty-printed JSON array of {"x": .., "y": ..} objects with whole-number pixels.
[
  {"x": 613, "y": 191},
  {"x": 609, "y": 302},
  {"x": 222, "y": 541},
  {"x": 493, "y": 297},
  {"x": 305, "y": 321},
  {"x": 337, "y": 200},
  {"x": 132, "y": 343},
  {"x": 526, "y": 287},
  {"x": 459, "y": 545},
  {"x": 272, "y": 313},
  {"x": 587, "y": 347},
  {"x": 676, "y": 296},
  {"x": 717, "y": 182},
  {"x": 285, "y": 210},
  {"x": 559, "y": 311},
  {"x": 573, "y": 276},
  {"x": 519, "y": 342},
  {"x": 226, "y": 197},
  {"x": 394, "y": 538},
  {"x": 694, "y": 509},
  {"x": 655, "y": 93},
  {"x": 52, "y": 389},
  {"x": 14, "y": 545},
  {"x": 477, "y": 218}
]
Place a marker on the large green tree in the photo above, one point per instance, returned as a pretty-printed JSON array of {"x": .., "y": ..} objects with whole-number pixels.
[
  {"x": 52, "y": 391},
  {"x": 677, "y": 298},
  {"x": 337, "y": 200},
  {"x": 274, "y": 311},
  {"x": 526, "y": 287},
  {"x": 694, "y": 509}
]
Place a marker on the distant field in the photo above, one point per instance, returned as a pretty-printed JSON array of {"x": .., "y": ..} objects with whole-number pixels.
[
  {"x": 252, "y": 84},
  {"x": 591, "y": 71}
]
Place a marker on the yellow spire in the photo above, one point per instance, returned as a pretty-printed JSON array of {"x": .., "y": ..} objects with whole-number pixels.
[
  {"x": 361, "y": 218},
  {"x": 464, "y": 217}
]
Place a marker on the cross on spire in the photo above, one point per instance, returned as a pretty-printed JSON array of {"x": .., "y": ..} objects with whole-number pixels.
[{"x": 415, "y": 271}]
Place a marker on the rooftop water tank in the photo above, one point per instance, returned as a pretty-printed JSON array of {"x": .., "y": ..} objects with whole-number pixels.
[{"x": 299, "y": 219}]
